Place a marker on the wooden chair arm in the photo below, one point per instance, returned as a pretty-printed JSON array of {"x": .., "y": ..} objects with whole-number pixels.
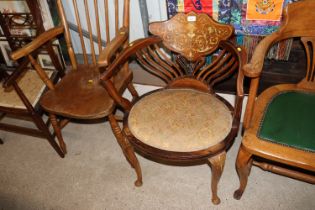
[
  {"x": 112, "y": 47},
  {"x": 112, "y": 91},
  {"x": 113, "y": 68},
  {"x": 37, "y": 42},
  {"x": 242, "y": 54},
  {"x": 253, "y": 70},
  {"x": 254, "y": 67}
]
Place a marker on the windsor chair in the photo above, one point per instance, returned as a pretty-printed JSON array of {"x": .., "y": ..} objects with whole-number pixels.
[
  {"x": 279, "y": 122},
  {"x": 79, "y": 95},
  {"x": 185, "y": 121}
]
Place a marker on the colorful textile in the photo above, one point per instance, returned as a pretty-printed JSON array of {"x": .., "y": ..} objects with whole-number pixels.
[
  {"x": 204, "y": 6},
  {"x": 257, "y": 25},
  {"x": 252, "y": 19},
  {"x": 269, "y": 10},
  {"x": 171, "y": 8},
  {"x": 230, "y": 11}
]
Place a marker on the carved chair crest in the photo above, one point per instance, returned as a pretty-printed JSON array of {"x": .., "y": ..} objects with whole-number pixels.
[
  {"x": 202, "y": 54},
  {"x": 192, "y": 35}
]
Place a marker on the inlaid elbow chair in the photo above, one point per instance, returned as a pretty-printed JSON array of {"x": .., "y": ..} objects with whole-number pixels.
[
  {"x": 185, "y": 121},
  {"x": 79, "y": 94},
  {"x": 279, "y": 123}
]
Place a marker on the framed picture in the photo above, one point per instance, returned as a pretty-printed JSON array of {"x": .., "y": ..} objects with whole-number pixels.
[
  {"x": 6, "y": 52},
  {"x": 45, "y": 61},
  {"x": 9, "y": 6}
]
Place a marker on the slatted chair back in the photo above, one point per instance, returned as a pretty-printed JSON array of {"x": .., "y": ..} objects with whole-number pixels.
[
  {"x": 94, "y": 25},
  {"x": 200, "y": 47},
  {"x": 201, "y": 56},
  {"x": 295, "y": 26},
  {"x": 98, "y": 40}
]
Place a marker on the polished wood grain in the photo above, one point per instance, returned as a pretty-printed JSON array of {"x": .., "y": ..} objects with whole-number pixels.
[
  {"x": 181, "y": 34},
  {"x": 186, "y": 68},
  {"x": 79, "y": 94},
  {"x": 279, "y": 159}
]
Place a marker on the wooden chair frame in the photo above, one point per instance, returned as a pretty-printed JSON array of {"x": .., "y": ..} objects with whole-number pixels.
[
  {"x": 85, "y": 77},
  {"x": 269, "y": 156},
  {"x": 29, "y": 113},
  {"x": 187, "y": 69}
]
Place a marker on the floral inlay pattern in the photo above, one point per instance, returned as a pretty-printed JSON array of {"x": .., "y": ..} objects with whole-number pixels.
[{"x": 191, "y": 34}]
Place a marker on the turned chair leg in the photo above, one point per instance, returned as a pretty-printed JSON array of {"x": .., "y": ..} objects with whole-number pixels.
[
  {"x": 133, "y": 91},
  {"x": 243, "y": 167},
  {"x": 217, "y": 164},
  {"x": 56, "y": 127},
  {"x": 126, "y": 148},
  {"x": 43, "y": 127}
]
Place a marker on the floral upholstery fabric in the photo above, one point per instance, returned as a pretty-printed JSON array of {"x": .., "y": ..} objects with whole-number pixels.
[
  {"x": 180, "y": 120},
  {"x": 31, "y": 85}
]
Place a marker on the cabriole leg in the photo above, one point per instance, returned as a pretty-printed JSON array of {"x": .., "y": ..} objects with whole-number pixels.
[
  {"x": 243, "y": 166},
  {"x": 217, "y": 164}
]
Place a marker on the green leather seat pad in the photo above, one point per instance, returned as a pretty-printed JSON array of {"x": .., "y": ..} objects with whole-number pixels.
[{"x": 290, "y": 120}]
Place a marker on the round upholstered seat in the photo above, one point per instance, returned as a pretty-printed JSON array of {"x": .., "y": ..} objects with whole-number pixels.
[{"x": 180, "y": 120}]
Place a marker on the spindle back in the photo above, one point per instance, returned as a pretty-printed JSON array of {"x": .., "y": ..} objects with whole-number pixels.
[{"x": 91, "y": 25}]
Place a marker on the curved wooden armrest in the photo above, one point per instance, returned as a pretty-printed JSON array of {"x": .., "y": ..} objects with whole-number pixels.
[
  {"x": 118, "y": 98},
  {"x": 254, "y": 67},
  {"x": 112, "y": 47},
  {"x": 114, "y": 67},
  {"x": 37, "y": 42},
  {"x": 126, "y": 54}
]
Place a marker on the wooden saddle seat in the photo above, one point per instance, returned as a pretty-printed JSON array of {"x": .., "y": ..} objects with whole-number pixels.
[
  {"x": 184, "y": 122},
  {"x": 80, "y": 95},
  {"x": 279, "y": 123}
]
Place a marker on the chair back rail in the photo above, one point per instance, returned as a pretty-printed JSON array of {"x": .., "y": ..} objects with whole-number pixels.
[
  {"x": 46, "y": 37},
  {"x": 309, "y": 44},
  {"x": 224, "y": 62},
  {"x": 96, "y": 18}
]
